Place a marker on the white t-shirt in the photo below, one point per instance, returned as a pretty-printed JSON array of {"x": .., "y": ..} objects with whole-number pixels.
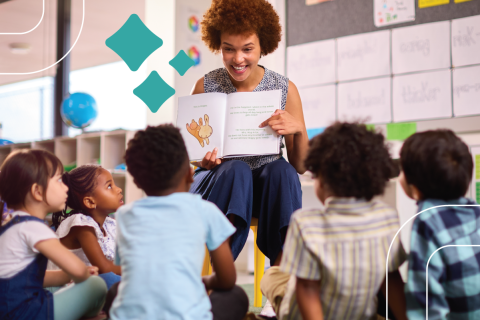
[{"x": 17, "y": 249}]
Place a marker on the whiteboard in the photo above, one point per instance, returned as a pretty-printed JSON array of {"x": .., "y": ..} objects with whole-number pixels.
[
  {"x": 364, "y": 55},
  {"x": 312, "y": 63},
  {"x": 422, "y": 96},
  {"x": 318, "y": 106},
  {"x": 422, "y": 47},
  {"x": 466, "y": 41},
  {"x": 466, "y": 91},
  {"x": 367, "y": 100},
  {"x": 387, "y": 12}
]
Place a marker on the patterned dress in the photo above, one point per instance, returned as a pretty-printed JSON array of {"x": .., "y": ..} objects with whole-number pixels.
[{"x": 219, "y": 81}]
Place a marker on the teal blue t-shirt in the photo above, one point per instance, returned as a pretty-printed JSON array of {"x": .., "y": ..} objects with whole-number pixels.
[{"x": 161, "y": 248}]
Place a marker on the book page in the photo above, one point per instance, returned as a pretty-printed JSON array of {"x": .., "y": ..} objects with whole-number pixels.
[
  {"x": 363, "y": 55},
  {"x": 422, "y": 96},
  {"x": 466, "y": 41},
  {"x": 245, "y": 112},
  {"x": 201, "y": 119},
  {"x": 420, "y": 48},
  {"x": 466, "y": 91}
]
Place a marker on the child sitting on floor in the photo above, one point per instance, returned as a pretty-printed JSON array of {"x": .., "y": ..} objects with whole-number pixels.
[
  {"x": 161, "y": 240},
  {"x": 31, "y": 184},
  {"x": 436, "y": 171},
  {"x": 334, "y": 258},
  {"x": 87, "y": 230}
]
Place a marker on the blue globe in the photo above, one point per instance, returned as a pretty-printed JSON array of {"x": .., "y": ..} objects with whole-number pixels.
[{"x": 79, "y": 110}]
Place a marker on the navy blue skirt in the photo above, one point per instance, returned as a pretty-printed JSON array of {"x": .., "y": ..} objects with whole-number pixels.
[{"x": 270, "y": 193}]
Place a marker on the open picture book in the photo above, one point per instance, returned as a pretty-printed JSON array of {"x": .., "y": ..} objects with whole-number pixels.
[{"x": 229, "y": 122}]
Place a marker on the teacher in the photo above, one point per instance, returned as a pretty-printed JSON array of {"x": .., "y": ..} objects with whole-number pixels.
[{"x": 266, "y": 187}]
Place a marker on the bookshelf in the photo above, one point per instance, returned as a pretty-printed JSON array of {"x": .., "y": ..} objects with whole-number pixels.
[{"x": 104, "y": 148}]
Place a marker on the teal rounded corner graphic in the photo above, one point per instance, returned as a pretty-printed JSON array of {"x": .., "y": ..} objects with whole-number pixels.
[
  {"x": 182, "y": 62},
  {"x": 134, "y": 42},
  {"x": 154, "y": 91}
]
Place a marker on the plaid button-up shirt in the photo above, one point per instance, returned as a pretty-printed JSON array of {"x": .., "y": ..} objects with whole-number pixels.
[{"x": 442, "y": 237}]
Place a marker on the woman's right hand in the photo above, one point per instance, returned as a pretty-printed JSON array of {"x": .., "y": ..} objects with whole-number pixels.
[{"x": 210, "y": 160}]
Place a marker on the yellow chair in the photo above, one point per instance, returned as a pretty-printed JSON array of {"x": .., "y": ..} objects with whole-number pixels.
[{"x": 259, "y": 260}]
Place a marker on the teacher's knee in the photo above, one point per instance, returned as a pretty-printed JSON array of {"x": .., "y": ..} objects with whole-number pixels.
[
  {"x": 236, "y": 168},
  {"x": 282, "y": 170}
]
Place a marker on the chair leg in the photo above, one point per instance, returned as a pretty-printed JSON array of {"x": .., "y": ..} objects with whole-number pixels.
[
  {"x": 207, "y": 267},
  {"x": 259, "y": 260}
]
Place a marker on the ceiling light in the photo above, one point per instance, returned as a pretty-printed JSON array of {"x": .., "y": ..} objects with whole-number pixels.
[{"x": 19, "y": 48}]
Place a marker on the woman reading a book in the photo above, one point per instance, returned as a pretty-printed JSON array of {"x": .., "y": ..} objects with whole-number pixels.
[{"x": 266, "y": 186}]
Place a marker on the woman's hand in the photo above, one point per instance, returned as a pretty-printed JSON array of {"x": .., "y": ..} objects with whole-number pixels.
[
  {"x": 210, "y": 160},
  {"x": 283, "y": 123},
  {"x": 93, "y": 270}
]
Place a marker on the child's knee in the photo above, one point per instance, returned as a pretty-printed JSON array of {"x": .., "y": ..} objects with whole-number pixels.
[{"x": 96, "y": 287}]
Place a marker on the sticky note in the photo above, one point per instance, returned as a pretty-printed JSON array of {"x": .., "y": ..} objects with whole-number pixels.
[
  {"x": 460, "y": 1},
  {"x": 477, "y": 167},
  {"x": 477, "y": 192},
  {"x": 313, "y": 132},
  {"x": 400, "y": 131},
  {"x": 431, "y": 3}
]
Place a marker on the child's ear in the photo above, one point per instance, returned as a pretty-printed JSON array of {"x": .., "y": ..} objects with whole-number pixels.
[
  {"x": 416, "y": 194},
  {"x": 89, "y": 203},
  {"x": 189, "y": 176},
  {"x": 37, "y": 192}
]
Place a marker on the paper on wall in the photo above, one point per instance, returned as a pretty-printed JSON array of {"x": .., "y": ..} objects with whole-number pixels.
[
  {"x": 466, "y": 41},
  {"x": 475, "y": 186},
  {"x": 422, "y": 96},
  {"x": 466, "y": 91},
  {"x": 318, "y": 106},
  {"x": 367, "y": 100},
  {"x": 364, "y": 55},
  {"x": 387, "y": 12},
  {"x": 312, "y": 63},
  {"x": 420, "y": 48}
]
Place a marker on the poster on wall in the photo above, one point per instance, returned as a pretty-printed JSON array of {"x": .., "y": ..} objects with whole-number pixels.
[
  {"x": 318, "y": 108},
  {"x": 420, "y": 96},
  {"x": 466, "y": 91},
  {"x": 466, "y": 41},
  {"x": 366, "y": 100},
  {"x": 311, "y": 63},
  {"x": 387, "y": 12},
  {"x": 420, "y": 48},
  {"x": 475, "y": 187},
  {"x": 312, "y": 2},
  {"x": 363, "y": 56}
]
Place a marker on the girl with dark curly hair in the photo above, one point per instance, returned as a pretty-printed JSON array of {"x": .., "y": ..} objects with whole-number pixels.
[{"x": 266, "y": 187}]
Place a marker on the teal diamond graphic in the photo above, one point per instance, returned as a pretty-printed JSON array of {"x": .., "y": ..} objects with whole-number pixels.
[
  {"x": 154, "y": 91},
  {"x": 182, "y": 62},
  {"x": 134, "y": 42}
]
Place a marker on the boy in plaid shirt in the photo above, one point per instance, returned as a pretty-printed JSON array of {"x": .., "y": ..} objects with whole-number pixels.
[{"x": 436, "y": 171}]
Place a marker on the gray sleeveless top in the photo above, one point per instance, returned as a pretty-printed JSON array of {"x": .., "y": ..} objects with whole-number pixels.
[{"x": 218, "y": 81}]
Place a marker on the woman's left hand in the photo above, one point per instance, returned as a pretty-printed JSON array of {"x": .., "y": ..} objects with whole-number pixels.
[{"x": 283, "y": 123}]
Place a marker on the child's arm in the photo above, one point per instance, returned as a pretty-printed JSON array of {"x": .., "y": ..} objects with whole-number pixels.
[
  {"x": 396, "y": 296},
  {"x": 308, "y": 299},
  {"x": 73, "y": 267},
  {"x": 89, "y": 243},
  {"x": 225, "y": 275}
]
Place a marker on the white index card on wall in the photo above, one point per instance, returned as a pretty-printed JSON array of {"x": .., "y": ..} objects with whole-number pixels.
[
  {"x": 318, "y": 106},
  {"x": 466, "y": 41},
  {"x": 466, "y": 91},
  {"x": 312, "y": 63},
  {"x": 363, "y": 56},
  {"x": 420, "y": 96},
  {"x": 366, "y": 100},
  {"x": 422, "y": 47}
]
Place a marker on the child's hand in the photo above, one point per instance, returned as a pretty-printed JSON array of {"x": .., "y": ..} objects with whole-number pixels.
[{"x": 93, "y": 270}]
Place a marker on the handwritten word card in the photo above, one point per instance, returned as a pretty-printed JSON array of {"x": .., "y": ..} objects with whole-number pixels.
[
  {"x": 466, "y": 91},
  {"x": 422, "y": 96},
  {"x": 318, "y": 106},
  {"x": 420, "y": 48},
  {"x": 312, "y": 63},
  {"x": 466, "y": 41},
  {"x": 367, "y": 100},
  {"x": 387, "y": 12},
  {"x": 363, "y": 56}
]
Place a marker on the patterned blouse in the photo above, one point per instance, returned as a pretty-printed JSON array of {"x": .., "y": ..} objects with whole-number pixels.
[{"x": 219, "y": 81}]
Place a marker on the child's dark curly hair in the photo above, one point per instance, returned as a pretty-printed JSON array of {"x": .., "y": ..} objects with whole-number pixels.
[
  {"x": 81, "y": 182},
  {"x": 155, "y": 157},
  {"x": 242, "y": 17},
  {"x": 438, "y": 163},
  {"x": 351, "y": 160}
]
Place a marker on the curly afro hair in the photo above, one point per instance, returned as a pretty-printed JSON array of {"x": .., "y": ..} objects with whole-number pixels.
[
  {"x": 242, "y": 17},
  {"x": 438, "y": 163},
  {"x": 155, "y": 158},
  {"x": 351, "y": 160}
]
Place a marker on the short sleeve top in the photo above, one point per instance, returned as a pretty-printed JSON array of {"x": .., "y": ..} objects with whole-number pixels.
[{"x": 219, "y": 81}]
